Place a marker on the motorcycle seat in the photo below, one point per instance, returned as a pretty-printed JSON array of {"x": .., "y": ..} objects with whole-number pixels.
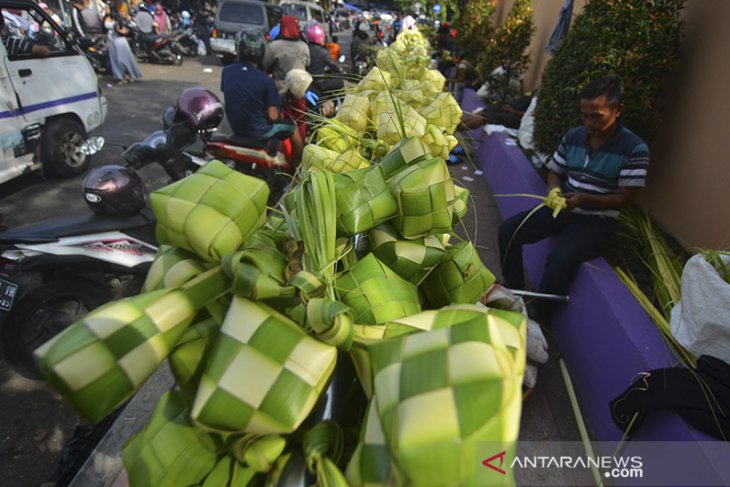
[
  {"x": 239, "y": 140},
  {"x": 75, "y": 225}
]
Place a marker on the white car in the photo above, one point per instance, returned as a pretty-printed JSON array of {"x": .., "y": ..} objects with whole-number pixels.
[{"x": 47, "y": 103}]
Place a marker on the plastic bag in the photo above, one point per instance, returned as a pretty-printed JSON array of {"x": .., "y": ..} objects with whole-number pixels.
[
  {"x": 202, "y": 51},
  {"x": 701, "y": 320}
]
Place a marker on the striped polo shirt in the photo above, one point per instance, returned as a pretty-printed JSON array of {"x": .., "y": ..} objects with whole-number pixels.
[{"x": 621, "y": 161}]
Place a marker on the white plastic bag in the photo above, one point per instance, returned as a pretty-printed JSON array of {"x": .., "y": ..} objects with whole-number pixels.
[
  {"x": 701, "y": 320},
  {"x": 202, "y": 51},
  {"x": 527, "y": 126},
  {"x": 537, "y": 346}
]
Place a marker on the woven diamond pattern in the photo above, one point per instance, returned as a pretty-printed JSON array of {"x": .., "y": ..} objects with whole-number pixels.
[
  {"x": 440, "y": 392},
  {"x": 212, "y": 212},
  {"x": 264, "y": 375}
]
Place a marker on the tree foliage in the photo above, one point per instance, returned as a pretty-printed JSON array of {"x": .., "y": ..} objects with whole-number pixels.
[
  {"x": 635, "y": 39},
  {"x": 507, "y": 47},
  {"x": 474, "y": 27}
]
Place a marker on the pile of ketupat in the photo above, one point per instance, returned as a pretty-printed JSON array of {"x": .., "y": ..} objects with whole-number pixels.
[{"x": 254, "y": 313}]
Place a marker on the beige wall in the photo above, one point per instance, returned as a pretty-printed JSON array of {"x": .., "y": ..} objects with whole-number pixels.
[
  {"x": 545, "y": 17},
  {"x": 689, "y": 179},
  {"x": 688, "y": 190}
]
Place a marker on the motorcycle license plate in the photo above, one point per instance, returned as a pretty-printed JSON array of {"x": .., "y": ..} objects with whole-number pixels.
[{"x": 7, "y": 294}]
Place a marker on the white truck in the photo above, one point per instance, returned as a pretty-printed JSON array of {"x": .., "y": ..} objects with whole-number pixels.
[{"x": 48, "y": 103}]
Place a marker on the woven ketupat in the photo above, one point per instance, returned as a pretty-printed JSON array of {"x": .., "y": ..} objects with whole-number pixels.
[
  {"x": 376, "y": 80},
  {"x": 460, "y": 205},
  {"x": 334, "y": 135},
  {"x": 407, "y": 152},
  {"x": 370, "y": 463},
  {"x": 186, "y": 359},
  {"x": 444, "y": 112},
  {"x": 355, "y": 112},
  {"x": 104, "y": 358},
  {"x": 264, "y": 374},
  {"x": 350, "y": 160},
  {"x": 384, "y": 102},
  {"x": 410, "y": 259},
  {"x": 391, "y": 130},
  {"x": 424, "y": 193},
  {"x": 442, "y": 392},
  {"x": 316, "y": 156},
  {"x": 375, "y": 293},
  {"x": 460, "y": 277},
  {"x": 366, "y": 335},
  {"x": 436, "y": 141},
  {"x": 172, "y": 267},
  {"x": 432, "y": 81},
  {"x": 363, "y": 201},
  {"x": 170, "y": 451},
  {"x": 211, "y": 212}
]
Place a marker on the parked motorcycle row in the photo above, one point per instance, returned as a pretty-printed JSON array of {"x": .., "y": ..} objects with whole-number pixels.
[{"x": 166, "y": 49}]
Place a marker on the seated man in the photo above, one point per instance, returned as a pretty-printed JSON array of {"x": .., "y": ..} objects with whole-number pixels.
[
  {"x": 598, "y": 168},
  {"x": 253, "y": 104},
  {"x": 19, "y": 45}
]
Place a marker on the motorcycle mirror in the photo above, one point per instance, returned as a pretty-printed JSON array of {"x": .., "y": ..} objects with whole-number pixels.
[
  {"x": 342, "y": 59},
  {"x": 92, "y": 145}
]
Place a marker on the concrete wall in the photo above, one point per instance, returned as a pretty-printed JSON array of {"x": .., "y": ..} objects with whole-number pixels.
[
  {"x": 545, "y": 17},
  {"x": 688, "y": 189}
]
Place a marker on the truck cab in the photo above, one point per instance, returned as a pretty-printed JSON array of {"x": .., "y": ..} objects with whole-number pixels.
[{"x": 49, "y": 98}]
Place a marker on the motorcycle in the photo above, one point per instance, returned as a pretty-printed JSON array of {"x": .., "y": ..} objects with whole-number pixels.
[
  {"x": 55, "y": 271},
  {"x": 152, "y": 48},
  {"x": 96, "y": 51},
  {"x": 199, "y": 112},
  {"x": 185, "y": 42}
]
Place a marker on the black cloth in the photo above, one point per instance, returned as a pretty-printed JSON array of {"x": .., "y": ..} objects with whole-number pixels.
[
  {"x": 323, "y": 70},
  {"x": 701, "y": 397}
]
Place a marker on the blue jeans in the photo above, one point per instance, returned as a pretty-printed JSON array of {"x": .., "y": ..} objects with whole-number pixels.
[{"x": 579, "y": 238}]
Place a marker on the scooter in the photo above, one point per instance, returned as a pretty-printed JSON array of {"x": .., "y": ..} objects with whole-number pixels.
[
  {"x": 185, "y": 42},
  {"x": 152, "y": 48},
  {"x": 96, "y": 52},
  {"x": 55, "y": 271}
]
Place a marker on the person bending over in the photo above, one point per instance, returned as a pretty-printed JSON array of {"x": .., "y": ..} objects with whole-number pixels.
[{"x": 598, "y": 168}]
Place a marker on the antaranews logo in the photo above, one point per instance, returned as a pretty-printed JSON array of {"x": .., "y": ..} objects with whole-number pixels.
[{"x": 489, "y": 462}]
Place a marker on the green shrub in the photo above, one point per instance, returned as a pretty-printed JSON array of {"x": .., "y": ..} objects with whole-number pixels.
[
  {"x": 635, "y": 39},
  {"x": 507, "y": 47},
  {"x": 474, "y": 27}
]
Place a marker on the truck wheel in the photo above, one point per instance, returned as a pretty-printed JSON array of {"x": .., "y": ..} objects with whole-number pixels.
[
  {"x": 43, "y": 313},
  {"x": 61, "y": 148}
]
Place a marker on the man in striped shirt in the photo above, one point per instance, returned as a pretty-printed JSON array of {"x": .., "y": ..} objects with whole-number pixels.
[
  {"x": 15, "y": 45},
  {"x": 598, "y": 168}
]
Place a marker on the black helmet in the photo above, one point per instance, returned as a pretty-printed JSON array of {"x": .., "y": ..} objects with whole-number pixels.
[
  {"x": 114, "y": 190},
  {"x": 250, "y": 45},
  {"x": 200, "y": 107}
]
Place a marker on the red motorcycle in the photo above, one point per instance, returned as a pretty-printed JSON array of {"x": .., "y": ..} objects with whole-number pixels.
[{"x": 202, "y": 112}]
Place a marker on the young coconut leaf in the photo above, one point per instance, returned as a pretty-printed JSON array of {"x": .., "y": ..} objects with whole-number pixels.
[
  {"x": 210, "y": 213},
  {"x": 103, "y": 359},
  {"x": 460, "y": 277},
  {"x": 375, "y": 293},
  {"x": 439, "y": 393},
  {"x": 424, "y": 193},
  {"x": 264, "y": 374},
  {"x": 410, "y": 259}
]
